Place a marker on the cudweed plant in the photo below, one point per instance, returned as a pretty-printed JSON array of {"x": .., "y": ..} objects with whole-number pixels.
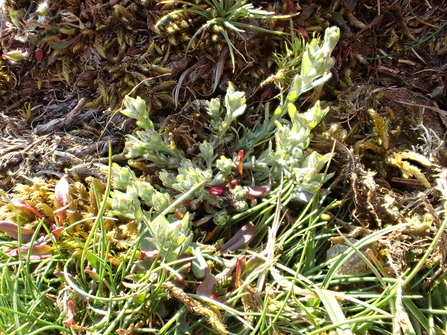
[{"x": 224, "y": 187}]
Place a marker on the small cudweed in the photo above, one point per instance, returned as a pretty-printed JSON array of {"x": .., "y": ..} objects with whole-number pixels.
[
  {"x": 239, "y": 193},
  {"x": 241, "y": 205},
  {"x": 221, "y": 218},
  {"x": 225, "y": 165}
]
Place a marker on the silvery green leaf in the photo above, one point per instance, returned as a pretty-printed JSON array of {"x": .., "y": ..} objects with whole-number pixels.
[
  {"x": 125, "y": 204},
  {"x": 214, "y": 112},
  {"x": 225, "y": 165},
  {"x": 150, "y": 145},
  {"x": 302, "y": 196},
  {"x": 136, "y": 109},
  {"x": 234, "y": 100},
  {"x": 207, "y": 152},
  {"x": 317, "y": 161},
  {"x": 331, "y": 37},
  {"x": 321, "y": 80},
  {"x": 122, "y": 176},
  {"x": 168, "y": 179},
  {"x": 169, "y": 238},
  {"x": 198, "y": 264},
  {"x": 160, "y": 201},
  {"x": 314, "y": 115},
  {"x": 296, "y": 90},
  {"x": 218, "y": 179}
]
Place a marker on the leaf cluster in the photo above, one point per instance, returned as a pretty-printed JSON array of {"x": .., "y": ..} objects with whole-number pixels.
[
  {"x": 223, "y": 17},
  {"x": 228, "y": 176}
]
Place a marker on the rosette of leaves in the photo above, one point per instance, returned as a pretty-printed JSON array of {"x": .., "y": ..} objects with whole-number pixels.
[{"x": 220, "y": 20}]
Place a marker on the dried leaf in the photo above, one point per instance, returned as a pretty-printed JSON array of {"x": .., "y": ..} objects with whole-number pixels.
[
  {"x": 196, "y": 306},
  {"x": 409, "y": 170},
  {"x": 380, "y": 128}
]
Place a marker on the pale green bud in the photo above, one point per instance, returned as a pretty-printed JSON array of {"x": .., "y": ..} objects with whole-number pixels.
[
  {"x": 241, "y": 205},
  {"x": 221, "y": 218},
  {"x": 239, "y": 192}
]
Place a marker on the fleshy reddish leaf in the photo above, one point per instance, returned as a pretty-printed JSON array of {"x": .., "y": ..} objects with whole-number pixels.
[
  {"x": 267, "y": 92},
  {"x": 93, "y": 274},
  {"x": 70, "y": 310},
  {"x": 216, "y": 190},
  {"x": 232, "y": 184},
  {"x": 294, "y": 8},
  {"x": 256, "y": 191},
  {"x": 20, "y": 203},
  {"x": 241, "y": 267},
  {"x": 350, "y": 4},
  {"x": 206, "y": 287},
  {"x": 52, "y": 58},
  {"x": 243, "y": 236},
  {"x": 148, "y": 254},
  {"x": 302, "y": 31},
  {"x": 38, "y": 53},
  {"x": 57, "y": 233},
  {"x": 37, "y": 252},
  {"x": 61, "y": 192},
  {"x": 12, "y": 229},
  {"x": 307, "y": 12},
  {"x": 202, "y": 221}
]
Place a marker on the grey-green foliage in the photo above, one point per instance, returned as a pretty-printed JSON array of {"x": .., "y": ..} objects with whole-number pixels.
[
  {"x": 131, "y": 192},
  {"x": 234, "y": 107},
  {"x": 170, "y": 239},
  {"x": 284, "y": 154},
  {"x": 316, "y": 61},
  {"x": 186, "y": 176},
  {"x": 148, "y": 143}
]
